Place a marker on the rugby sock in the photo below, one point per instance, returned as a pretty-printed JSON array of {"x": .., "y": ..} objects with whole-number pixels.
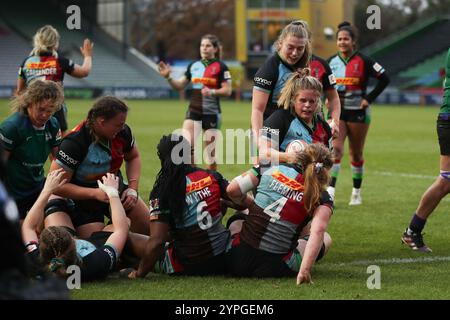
[
  {"x": 335, "y": 172},
  {"x": 416, "y": 225},
  {"x": 357, "y": 173}
]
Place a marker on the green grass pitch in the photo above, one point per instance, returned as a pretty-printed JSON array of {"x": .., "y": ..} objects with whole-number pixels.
[{"x": 402, "y": 160}]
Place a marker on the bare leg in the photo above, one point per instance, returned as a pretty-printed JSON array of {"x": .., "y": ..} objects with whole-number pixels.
[
  {"x": 439, "y": 189},
  {"x": 139, "y": 218}
]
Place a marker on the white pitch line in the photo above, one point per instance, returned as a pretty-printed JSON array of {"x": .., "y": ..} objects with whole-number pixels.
[
  {"x": 405, "y": 175},
  {"x": 389, "y": 261}
]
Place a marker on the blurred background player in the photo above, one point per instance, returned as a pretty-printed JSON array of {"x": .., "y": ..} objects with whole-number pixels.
[
  {"x": 210, "y": 80},
  {"x": 45, "y": 63},
  {"x": 28, "y": 136},
  {"x": 441, "y": 187},
  {"x": 352, "y": 70}
]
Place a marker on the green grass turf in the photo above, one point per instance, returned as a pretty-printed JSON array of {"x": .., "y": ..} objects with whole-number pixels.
[{"x": 402, "y": 141}]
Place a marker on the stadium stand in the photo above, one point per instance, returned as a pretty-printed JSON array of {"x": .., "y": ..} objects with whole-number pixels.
[{"x": 112, "y": 68}]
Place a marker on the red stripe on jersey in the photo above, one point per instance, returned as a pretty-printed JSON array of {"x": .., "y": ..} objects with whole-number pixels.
[
  {"x": 355, "y": 69},
  {"x": 117, "y": 154},
  {"x": 293, "y": 210},
  {"x": 317, "y": 70},
  {"x": 320, "y": 135},
  {"x": 213, "y": 72},
  {"x": 213, "y": 200}
]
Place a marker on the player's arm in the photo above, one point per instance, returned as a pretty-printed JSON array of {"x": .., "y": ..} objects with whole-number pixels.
[
  {"x": 84, "y": 70},
  {"x": 165, "y": 70},
  {"x": 334, "y": 108},
  {"x": 154, "y": 249},
  {"x": 20, "y": 87},
  {"x": 133, "y": 168},
  {"x": 35, "y": 217},
  {"x": 239, "y": 187},
  {"x": 72, "y": 191},
  {"x": 259, "y": 102},
  {"x": 319, "y": 225},
  {"x": 224, "y": 91},
  {"x": 377, "y": 71},
  {"x": 118, "y": 238}
]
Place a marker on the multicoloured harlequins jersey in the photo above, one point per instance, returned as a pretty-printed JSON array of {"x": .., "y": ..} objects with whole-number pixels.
[
  {"x": 45, "y": 67},
  {"x": 200, "y": 233},
  {"x": 271, "y": 78},
  {"x": 282, "y": 127},
  {"x": 88, "y": 159},
  {"x": 279, "y": 213},
  {"x": 322, "y": 71},
  {"x": 209, "y": 73},
  {"x": 29, "y": 147},
  {"x": 352, "y": 76}
]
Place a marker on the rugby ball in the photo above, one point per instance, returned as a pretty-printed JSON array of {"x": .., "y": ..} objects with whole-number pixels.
[{"x": 296, "y": 146}]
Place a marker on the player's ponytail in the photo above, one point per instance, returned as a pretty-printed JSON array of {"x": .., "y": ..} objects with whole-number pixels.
[
  {"x": 299, "y": 80},
  {"x": 316, "y": 160},
  {"x": 46, "y": 39},
  {"x": 170, "y": 183}
]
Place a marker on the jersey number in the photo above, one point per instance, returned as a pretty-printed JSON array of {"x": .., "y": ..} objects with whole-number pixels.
[
  {"x": 274, "y": 209},
  {"x": 204, "y": 218}
]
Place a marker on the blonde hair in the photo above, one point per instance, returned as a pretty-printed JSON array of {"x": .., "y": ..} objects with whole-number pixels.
[
  {"x": 299, "y": 29},
  {"x": 46, "y": 39},
  {"x": 37, "y": 91},
  {"x": 299, "y": 80},
  {"x": 315, "y": 161}
]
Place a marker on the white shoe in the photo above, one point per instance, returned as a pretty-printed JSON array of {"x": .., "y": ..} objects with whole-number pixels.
[
  {"x": 331, "y": 191},
  {"x": 355, "y": 199}
]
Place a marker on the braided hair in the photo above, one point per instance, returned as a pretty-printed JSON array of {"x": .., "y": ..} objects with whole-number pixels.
[
  {"x": 170, "y": 184},
  {"x": 57, "y": 249}
]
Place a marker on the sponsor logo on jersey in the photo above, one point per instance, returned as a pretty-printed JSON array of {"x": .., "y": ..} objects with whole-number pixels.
[
  {"x": 198, "y": 185},
  {"x": 41, "y": 65},
  {"x": 210, "y": 82},
  {"x": 227, "y": 75},
  {"x": 262, "y": 81},
  {"x": 332, "y": 79},
  {"x": 377, "y": 67},
  {"x": 66, "y": 158},
  {"x": 288, "y": 182},
  {"x": 348, "y": 81}
]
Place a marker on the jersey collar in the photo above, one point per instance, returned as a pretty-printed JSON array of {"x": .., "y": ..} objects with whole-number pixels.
[
  {"x": 207, "y": 62},
  {"x": 346, "y": 61}
]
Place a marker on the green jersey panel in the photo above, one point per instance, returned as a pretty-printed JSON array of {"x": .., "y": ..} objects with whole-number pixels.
[{"x": 29, "y": 148}]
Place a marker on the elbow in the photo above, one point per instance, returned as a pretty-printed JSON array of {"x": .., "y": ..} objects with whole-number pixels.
[{"x": 234, "y": 192}]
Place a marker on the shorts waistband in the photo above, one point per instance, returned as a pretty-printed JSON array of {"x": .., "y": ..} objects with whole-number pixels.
[{"x": 444, "y": 116}]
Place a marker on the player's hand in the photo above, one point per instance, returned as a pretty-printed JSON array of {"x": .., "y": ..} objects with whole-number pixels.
[
  {"x": 334, "y": 128},
  {"x": 87, "y": 48},
  {"x": 129, "y": 273},
  {"x": 304, "y": 277},
  {"x": 364, "y": 104},
  {"x": 110, "y": 185},
  {"x": 293, "y": 157},
  {"x": 54, "y": 180},
  {"x": 129, "y": 198},
  {"x": 206, "y": 92},
  {"x": 164, "y": 69}
]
